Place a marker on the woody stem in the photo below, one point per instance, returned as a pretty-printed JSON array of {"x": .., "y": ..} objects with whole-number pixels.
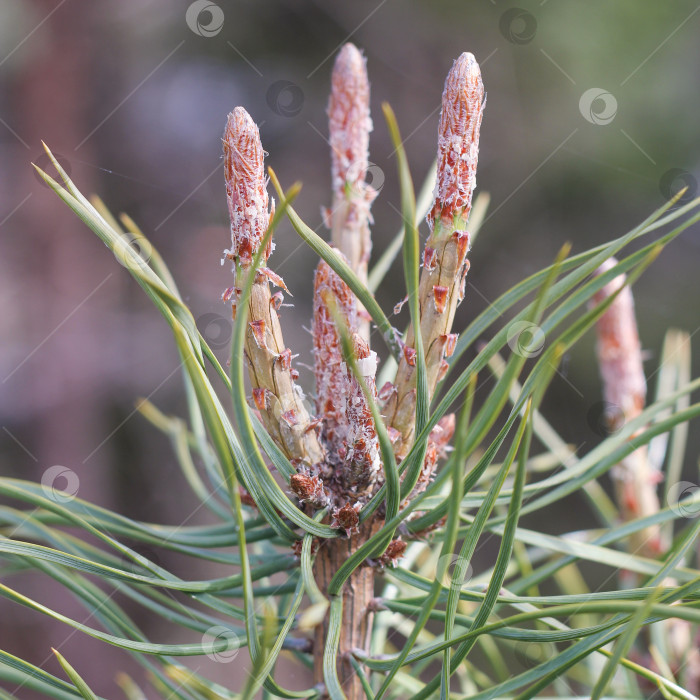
[{"x": 357, "y": 593}]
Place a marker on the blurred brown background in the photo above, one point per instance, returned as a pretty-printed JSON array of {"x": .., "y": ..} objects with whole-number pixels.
[{"x": 133, "y": 97}]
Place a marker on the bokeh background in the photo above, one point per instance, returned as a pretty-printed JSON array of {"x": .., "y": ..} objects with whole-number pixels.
[{"x": 591, "y": 123}]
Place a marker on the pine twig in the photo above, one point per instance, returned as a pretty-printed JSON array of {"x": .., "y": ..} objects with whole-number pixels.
[
  {"x": 445, "y": 264},
  {"x": 624, "y": 387},
  {"x": 275, "y": 393},
  {"x": 349, "y": 126},
  {"x": 353, "y": 462}
]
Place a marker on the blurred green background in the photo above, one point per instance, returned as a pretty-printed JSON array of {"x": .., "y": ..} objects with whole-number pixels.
[{"x": 591, "y": 123}]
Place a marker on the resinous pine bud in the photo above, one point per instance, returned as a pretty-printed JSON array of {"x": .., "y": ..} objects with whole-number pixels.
[
  {"x": 349, "y": 126},
  {"x": 329, "y": 366},
  {"x": 275, "y": 395},
  {"x": 458, "y": 141},
  {"x": 349, "y": 121},
  {"x": 619, "y": 349},
  {"x": 362, "y": 461},
  {"x": 347, "y": 425},
  {"x": 246, "y": 190},
  {"x": 445, "y": 263},
  {"x": 624, "y": 387}
]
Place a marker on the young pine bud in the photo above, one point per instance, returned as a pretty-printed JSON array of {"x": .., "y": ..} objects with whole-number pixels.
[
  {"x": 624, "y": 388},
  {"x": 458, "y": 143},
  {"x": 349, "y": 125},
  {"x": 363, "y": 464},
  {"x": 445, "y": 263},
  {"x": 619, "y": 350},
  {"x": 275, "y": 395},
  {"x": 246, "y": 188},
  {"x": 330, "y": 372},
  {"x": 347, "y": 425}
]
